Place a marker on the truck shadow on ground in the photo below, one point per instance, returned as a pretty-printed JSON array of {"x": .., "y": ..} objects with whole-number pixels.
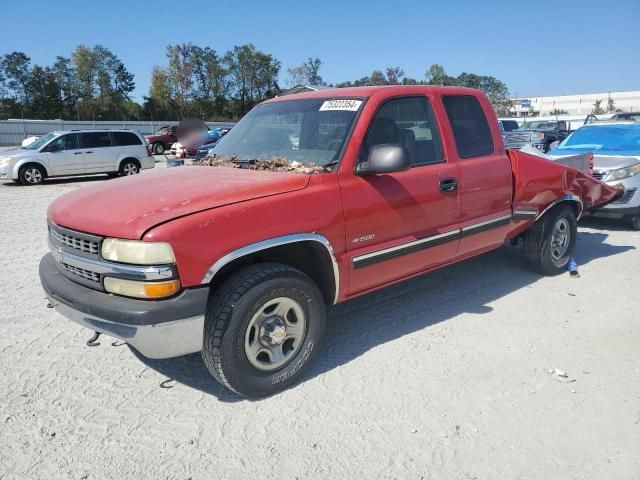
[{"x": 361, "y": 324}]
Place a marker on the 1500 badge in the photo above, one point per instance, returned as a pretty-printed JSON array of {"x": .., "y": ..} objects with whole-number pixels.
[{"x": 364, "y": 238}]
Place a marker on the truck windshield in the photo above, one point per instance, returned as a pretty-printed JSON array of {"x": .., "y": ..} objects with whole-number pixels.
[
  {"x": 40, "y": 142},
  {"x": 611, "y": 137},
  {"x": 537, "y": 126},
  {"x": 311, "y": 132}
]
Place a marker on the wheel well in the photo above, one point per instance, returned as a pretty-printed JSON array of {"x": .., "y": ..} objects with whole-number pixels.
[
  {"x": 577, "y": 206},
  {"x": 310, "y": 257},
  {"x": 129, "y": 158},
  {"x": 33, "y": 164}
]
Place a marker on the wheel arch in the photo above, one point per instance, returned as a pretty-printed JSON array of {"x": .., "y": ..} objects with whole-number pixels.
[
  {"x": 129, "y": 157},
  {"x": 573, "y": 200},
  {"x": 28, "y": 161},
  {"x": 308, "y": 252}
]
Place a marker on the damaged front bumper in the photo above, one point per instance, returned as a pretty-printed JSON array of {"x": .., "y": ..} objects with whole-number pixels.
[{"x": 156, "y": 328}]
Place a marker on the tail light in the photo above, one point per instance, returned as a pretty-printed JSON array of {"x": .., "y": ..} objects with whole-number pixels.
[{"x": 149, "y": 152}]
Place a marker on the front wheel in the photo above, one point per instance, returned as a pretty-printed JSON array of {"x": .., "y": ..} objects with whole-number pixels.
[
  {"x": 158, "y": 148},
  {"x": 129, "y": 167},
  {"x": 549, "y": 243},
  {"x": 635, "y": 221},
  {"x": 31, "y": 175},
  {"x": 262, "y": 327}
]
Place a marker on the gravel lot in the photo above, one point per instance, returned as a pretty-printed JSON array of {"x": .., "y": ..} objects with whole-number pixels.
[{"x": 441, "y": 377}]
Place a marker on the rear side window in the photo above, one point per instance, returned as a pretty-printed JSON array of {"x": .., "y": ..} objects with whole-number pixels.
[
  {"x": 96, "y": 139},
  {"x": 469, "y": 123},
  {"x": 121, "y": 139}
]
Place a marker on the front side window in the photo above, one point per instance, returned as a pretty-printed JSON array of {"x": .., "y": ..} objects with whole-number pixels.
[
  {"x": 96, "y": 139},
  {"x": 408, "y": 122},
  {"x": 64, "y": 142},
  {"x": 310, "y": 132},
  {"x": 469, "y": 124}
]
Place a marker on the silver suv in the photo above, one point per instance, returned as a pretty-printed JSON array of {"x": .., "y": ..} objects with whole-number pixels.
[{"x": 77, "y": 152}]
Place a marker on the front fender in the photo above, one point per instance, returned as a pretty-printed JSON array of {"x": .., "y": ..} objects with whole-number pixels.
[{"x": 23, "y": 161}]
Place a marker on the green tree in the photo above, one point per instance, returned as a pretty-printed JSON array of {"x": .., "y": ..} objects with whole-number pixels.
[
  {"x": 597, "y": 108},
  {"x": 611, "y": 106},
  {"x": 394, "y": 75},
  {"x": 16, "y": 70},
  {"x": 436, "y": 75}
]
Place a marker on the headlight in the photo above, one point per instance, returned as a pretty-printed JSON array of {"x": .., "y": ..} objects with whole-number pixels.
[
  {"x": 621, "y": 173},
  {"x": 7, "y": 161},
  {"x": 137, "y": 252},
  {"x": 130, "y": 288},
  {"x": 537, "y": 136}
]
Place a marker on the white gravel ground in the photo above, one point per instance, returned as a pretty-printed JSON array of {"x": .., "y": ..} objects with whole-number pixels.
[{"x": 441, "y": 377}]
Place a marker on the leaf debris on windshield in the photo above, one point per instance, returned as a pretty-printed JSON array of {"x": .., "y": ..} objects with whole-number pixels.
[{"x": 275, "y": 164}]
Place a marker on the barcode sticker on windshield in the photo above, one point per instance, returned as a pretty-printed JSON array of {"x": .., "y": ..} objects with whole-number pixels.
[{"x": 344, "y": 105}]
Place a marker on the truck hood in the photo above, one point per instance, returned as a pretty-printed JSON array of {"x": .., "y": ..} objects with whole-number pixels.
[{"x": 129, "y": 206}]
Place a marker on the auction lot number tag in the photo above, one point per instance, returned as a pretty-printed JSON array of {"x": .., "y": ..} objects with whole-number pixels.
[{"x": 344, "y": 105}]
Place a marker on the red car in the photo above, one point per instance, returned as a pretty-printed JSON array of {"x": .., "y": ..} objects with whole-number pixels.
[
  {"x": 336, "y": 193},
  {"x": 162, "y": 139}
]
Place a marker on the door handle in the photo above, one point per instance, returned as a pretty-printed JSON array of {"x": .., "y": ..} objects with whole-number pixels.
[
  {"x": 78, "y": 153},
  {"x": 448, "y": 185},
  {"x": 88, "y": 152}
]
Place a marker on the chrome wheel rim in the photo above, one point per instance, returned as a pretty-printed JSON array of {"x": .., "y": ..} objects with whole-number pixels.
[
  {"x": 130, "y": 169},
  {"x": 560, "y": 239},
  {"x": 33, "y": 175},
  {"x": 275, "y": 333}
]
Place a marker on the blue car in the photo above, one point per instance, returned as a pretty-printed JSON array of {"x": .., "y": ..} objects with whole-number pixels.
[
  {"x": 616, "y": 160},
  {"x": 210, "y": 141}
]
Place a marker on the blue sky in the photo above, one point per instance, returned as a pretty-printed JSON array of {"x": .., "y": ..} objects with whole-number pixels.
[{"x": 537, "y": 47}]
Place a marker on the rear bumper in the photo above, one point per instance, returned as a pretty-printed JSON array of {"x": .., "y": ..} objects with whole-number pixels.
[{"x": 157, "y": 329}]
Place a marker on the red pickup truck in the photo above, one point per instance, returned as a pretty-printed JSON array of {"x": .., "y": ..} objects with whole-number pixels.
[
  {"x": 312, "y": 199},
  {"x": 162, "y": 139}
]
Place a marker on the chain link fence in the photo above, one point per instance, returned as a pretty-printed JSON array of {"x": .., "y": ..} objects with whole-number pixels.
[{"x": 13, "y": 131}]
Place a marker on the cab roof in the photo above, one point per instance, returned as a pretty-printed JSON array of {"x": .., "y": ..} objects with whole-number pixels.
[{"x": 374, "y": 91}]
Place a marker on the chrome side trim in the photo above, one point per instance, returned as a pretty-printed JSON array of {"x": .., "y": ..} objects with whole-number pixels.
[
  {"x": 129, "y": 272},
  {"x": 402, "y": 246},
  {"x": 160, "y": 340},
  {"x": 566, "y": 198},
  {"x": 275, "y": 242}
]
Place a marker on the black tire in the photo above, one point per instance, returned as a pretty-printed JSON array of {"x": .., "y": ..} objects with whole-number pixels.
[
  {"x": 32, "y": 175},
  {"x": 634, "y": 220},
  {"x": 158, "y": 149},
  {"x": 542, "y": 255},
  {"x": 129, "y": 166},
  {"x": 231, "y": 310}
]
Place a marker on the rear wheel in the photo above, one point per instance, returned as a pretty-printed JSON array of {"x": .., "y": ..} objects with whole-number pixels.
[
  {"x": 262, "y": 327},
  {"x": 129, "y": 167},
  {"x": 549, "y": 243},
  {"x": 158, "y": 148},
  {"x": 31, "y": 175},
  {"x": 635, "y": 222}
]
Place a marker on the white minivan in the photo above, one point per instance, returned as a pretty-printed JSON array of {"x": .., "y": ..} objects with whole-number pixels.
[{"x": 77, "y": 152}]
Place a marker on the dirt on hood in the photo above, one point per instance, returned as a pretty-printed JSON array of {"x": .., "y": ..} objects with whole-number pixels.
[{"x": 275, "y": 164}]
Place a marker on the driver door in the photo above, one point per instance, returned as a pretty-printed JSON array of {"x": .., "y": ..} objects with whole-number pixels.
[
  {"x": 65, "y": 156},
  {"x": 402, "y": 223}
]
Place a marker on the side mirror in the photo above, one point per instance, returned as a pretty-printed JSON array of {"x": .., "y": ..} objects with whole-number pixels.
[{"x": 386, "y": 158}]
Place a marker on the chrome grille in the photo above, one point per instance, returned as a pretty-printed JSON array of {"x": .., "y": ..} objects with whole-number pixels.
[
  {"x": 76, "y": 243},
  {"x": 599, "y": 174},
  {"x": 81, "y": 272},
  {"x": 628, "y": 195}
]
